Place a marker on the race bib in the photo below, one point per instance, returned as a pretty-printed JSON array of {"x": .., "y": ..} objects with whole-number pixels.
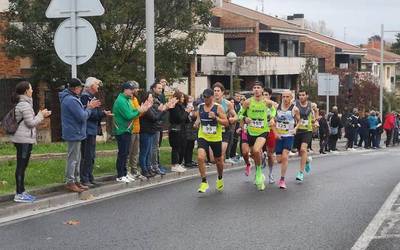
[
  {"x": 257, "y": 124},
  {"x": 282, "y": 126},
  {"x": 304, "y": 123},
  {"x": 210, "y": 130}
]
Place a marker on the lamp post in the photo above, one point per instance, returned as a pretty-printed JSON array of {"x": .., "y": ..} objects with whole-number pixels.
[
  {"x": 231, "y": 58},
  {"x": 150, "y": 54},
  {"x": 382, "y": 71}
]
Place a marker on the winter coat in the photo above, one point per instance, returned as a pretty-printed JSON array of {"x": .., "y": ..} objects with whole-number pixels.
[
  {"x": 389, "y": 123},
  {"x": 74, "y": 116},
  {"x": 95, "y": 117},
  {"x": 26, "y": 132},
  {"x": 177, "y": 117}
]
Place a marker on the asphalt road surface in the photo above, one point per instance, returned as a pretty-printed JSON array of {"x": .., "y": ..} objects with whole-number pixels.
[{"x": 330, "y": 210}]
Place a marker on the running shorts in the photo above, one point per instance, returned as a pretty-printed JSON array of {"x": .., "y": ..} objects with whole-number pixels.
[{"x": 216, "y": 147}]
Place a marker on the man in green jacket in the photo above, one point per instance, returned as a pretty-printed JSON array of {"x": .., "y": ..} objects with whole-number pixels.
[{"x": 124, "y": 114}]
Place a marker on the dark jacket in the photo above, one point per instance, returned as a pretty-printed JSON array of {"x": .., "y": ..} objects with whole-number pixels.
[
  {"x": 323, "y": 128},
  {"x": 95, "y": 117},
  {"x": 177, "y": 117},
  {"x": 364, "y": 125},
  {"x": 152, "y": 121},
  {"x": 74, "y": 116}
]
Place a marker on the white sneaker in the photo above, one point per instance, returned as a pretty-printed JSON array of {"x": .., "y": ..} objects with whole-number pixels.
[
  {"x": 230, "y": 160},
  {"x": 123, "y": 179},
  {"x": 178, "y": 168},
  {"x": 130, "y": 177}
]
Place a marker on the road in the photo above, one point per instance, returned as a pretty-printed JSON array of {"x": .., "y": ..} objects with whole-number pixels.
[{"x": 330, "y": 210}]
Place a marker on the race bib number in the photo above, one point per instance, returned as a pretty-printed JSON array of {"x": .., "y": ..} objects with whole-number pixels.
[
  {"x": 304, "y": 123},
  {"x": 282, "y": 126},
  {"x": 257, "y": 124},
  {"x": 210, "y": 130}
]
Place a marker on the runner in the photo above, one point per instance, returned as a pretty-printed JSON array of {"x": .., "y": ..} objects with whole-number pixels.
[
  {"x": 284, "y": 127},
  {"x": 229, "y": 110},
  {"x": 210, "y": 120},
  {"x": 254, "y": 111},
  {"x": 244, "y": 144},
  {"x": 308, "y": 115},
  {"x": 269, "y": 147}
]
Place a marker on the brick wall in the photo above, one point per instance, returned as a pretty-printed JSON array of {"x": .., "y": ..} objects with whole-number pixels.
[
  {"x": 230, "y": 20},
  {"x": 320, "y": 50}
]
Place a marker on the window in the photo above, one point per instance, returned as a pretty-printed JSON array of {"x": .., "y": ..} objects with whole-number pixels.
[
  {"x": 321, "y": 65},
  {"x": 302, "y": 48},
  {"x": 388, "y": 72},
  {"x": 237, "y": 45}
]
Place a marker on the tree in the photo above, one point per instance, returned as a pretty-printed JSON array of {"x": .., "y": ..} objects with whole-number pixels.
[
  {"x": 396, "y": 45},
  {"x": 180, "y": 28},
  {"x": 308, "y": 76},
  {"x": 319, "y": 27}
]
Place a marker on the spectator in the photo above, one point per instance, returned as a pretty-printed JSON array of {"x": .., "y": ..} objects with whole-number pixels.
[
  {"x": 396, "y": 130},
  {"x": 133, "y": 170},
  {"x": 364, "y": 130},
  {"x": 323, "y": 132},
  {"x": 177, "y": 117},
  {"x": 190, "y": 132},
  {"x": 388, "y": 126},
  {"x": 88, "y": 145},
  {"x": 335, "y": 127},
  {"x": 373, "y": 126},
  {"x": 350, "y": 130},
  {"x": 74, "y": 118},
  {"x": 124, "y": 114},
  {"x": 237, "y": 106},
  {"x": 25, "y": 135},
  {"x": 379, "y": 130}
]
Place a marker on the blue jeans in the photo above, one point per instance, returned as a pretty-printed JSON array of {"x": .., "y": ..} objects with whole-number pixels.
[
  {"x": 146, "y": 145},
  {"x": 124, "y": 142}
]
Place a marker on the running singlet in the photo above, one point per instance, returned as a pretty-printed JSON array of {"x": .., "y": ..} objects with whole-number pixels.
[
  {"x": 305, "y": 117},
  {"x": 210, "y": 129},
  {"x": 285, "y": 121},
  {"x": 258, "y": 113},
  {"x": 224, "y": 105}
]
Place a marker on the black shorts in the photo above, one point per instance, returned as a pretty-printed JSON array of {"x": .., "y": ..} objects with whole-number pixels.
[
  {"x": 302, "y": 137},
  {"x": 216, "y": 147},
  {"x": 226, "y": 136},
  {"x": 252, "y": 139}
]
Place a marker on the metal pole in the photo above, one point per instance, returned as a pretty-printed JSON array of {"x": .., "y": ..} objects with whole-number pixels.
[
  {"x": 150, "y": 54},
  {"x": 327, "y": 96},
  {"x": 231, "y": 82},
  {"x": 382, "y": 73},
  {"x": 74, "y": 67}
]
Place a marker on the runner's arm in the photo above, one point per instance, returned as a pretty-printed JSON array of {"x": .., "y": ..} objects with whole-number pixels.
[
  {"x": 232, "y": 112},
  {"x": 296, "y": 113},
  {"x": 197, "y": 122},
  {"x": 221, "y": 118}
]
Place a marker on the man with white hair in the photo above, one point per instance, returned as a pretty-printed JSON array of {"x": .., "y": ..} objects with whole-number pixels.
[{"x": 88, "y": 146}]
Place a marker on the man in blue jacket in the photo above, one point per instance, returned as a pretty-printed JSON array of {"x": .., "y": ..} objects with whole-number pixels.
[
  {"x": 74, "y": 118},
  {"x": 88, "y": 147}
]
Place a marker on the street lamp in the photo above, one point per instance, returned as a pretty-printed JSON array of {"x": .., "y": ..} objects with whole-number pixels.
[
  {"x": 231, "y": 58},
  {"x": 382, "y": 82},
  {"x": 150, "y": 54}
]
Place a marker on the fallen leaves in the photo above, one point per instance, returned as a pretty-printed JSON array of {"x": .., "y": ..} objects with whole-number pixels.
[
  {"x": 3, "y": 183},
  {"x": 72, "y": 222},
  {"x": 86, "y": 196}
]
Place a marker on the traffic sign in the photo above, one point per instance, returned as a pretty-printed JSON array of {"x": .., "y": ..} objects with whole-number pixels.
[
  {"x": 328, "y": 84},
  {"x": 83, "y": 8},
  {"x": 86, "y": 41}
]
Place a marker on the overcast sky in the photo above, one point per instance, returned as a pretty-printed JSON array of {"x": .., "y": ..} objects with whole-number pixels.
[{"x": 361, "y": 18}]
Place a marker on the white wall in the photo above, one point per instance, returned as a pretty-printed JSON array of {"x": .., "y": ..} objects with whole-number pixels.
[
  {"x": 3, "y": 5},
  {"x": 201, "y": 83},
  {"x": 213, "y": 45}
]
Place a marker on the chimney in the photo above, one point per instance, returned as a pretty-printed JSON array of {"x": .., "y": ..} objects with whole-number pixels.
[
  {"x": 220, "y": 3},
  {"x": 297, "y": 19}
]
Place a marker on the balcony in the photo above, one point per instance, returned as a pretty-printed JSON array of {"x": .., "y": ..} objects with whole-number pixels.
[{"x": 253, "y": 65}]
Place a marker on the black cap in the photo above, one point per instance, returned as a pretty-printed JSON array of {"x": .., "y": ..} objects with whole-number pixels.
[
  {"x": 75, "y": 82},
  {"x": 207, "y": 93},
  {"x": 128, "y": 85}
]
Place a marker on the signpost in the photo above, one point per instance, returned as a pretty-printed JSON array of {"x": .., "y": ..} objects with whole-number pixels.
[
  {"x": 75, "y": 40},
  {"x": 328, "y": 85}
]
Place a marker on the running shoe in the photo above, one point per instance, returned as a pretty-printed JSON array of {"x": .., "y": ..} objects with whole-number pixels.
[
  {"x": 300, "y": 176},
  {"x": 260, "y": 179},
  {"x": 247, "y": 170},
  {"x": 308, "y": 165},
  {"x": 203, "y": 187},
  {"x": 271, "y": 179},
  {"x": 282, "y": 184},
  {"x": 23, "y": 198},
  {"x": 219, "y": 185},
  {"x": 264, "y": 160}
]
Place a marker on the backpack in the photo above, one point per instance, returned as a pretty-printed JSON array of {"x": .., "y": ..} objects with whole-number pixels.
[{"x": 9, "y": 122}]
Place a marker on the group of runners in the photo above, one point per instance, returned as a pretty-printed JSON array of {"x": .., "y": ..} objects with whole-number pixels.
[{"x": 267, "y": 129}]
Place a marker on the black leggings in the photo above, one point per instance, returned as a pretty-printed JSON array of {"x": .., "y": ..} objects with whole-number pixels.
[
  {"x": 177, "y": 143},
  {"x": 23, "y": 154}
]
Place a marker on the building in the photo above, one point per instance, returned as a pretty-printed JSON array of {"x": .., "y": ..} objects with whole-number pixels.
[{"x": 268, "y": 48}]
